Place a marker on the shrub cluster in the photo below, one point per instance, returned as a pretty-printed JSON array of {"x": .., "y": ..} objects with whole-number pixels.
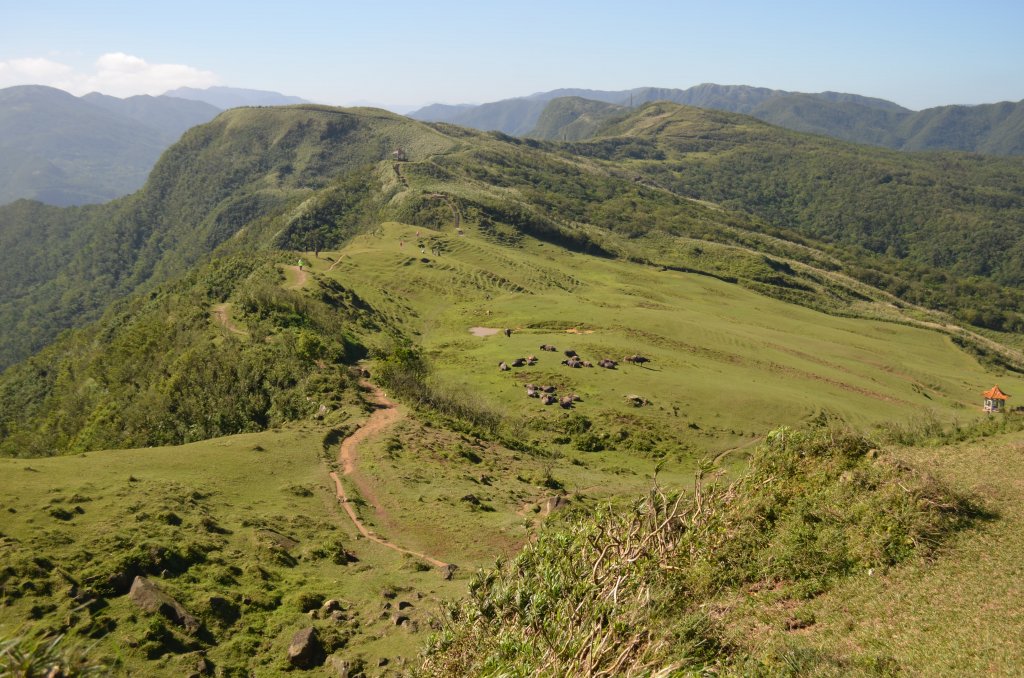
[{"x": 627, "y": 592}]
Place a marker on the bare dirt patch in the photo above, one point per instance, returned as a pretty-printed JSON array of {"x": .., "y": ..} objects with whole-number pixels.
[{"x": 483, "y": 331}]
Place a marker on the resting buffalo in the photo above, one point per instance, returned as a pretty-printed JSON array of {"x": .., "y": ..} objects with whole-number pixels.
[
  {"x": 531, "y": 359},
  {"x": 519, "y": 362},
  {"x": 547, "y": 347},
  {"x": 569, "y": 353},
  {"x": 548, "y": 400},
  {"x": 548, "y": 389},
  {"x": 566, "y": 402},
  {"x": 607, "y": 363}
]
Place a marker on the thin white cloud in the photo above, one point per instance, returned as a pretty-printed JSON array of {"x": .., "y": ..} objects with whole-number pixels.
[{"x": 114, "y": 73}]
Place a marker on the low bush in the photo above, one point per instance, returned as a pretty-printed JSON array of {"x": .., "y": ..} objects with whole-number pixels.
[{"x": 628, "y": 592}]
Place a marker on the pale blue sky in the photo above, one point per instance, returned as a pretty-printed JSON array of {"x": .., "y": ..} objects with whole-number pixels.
[{"x": 918, "y": 54}]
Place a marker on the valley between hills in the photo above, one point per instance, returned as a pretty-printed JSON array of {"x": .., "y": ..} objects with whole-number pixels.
[{"x": 255, "y": 418}]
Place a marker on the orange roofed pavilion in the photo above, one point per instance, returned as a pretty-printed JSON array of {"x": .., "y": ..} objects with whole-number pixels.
[{"x": 995, "y": 400}]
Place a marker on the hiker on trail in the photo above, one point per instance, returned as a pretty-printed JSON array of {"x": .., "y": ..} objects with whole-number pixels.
[
  {"x": 401, "y": 243},
  {"x": 300, "y": 264}
]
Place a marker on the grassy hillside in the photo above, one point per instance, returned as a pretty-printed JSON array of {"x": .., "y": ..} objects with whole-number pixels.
[
  {"x": 309, "y": 176},
  {"x": 419, "y": 265},
  {"x": 870, "y": 205}
]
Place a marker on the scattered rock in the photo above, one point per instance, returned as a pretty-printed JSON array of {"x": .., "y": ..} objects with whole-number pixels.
[
  {"x": 149, "y": 597},
  {"x": 399, "y": 619},
  {"x": 448, "y": 571},
  {"x": 330, "y": 606},
  {"x": 555, "y": 503},
  {"x": 404, "y": 605},
  {"x": 346, "y": 668},
  {"x": 471, "y": 499},
  {"x": 305, "y": 650}
]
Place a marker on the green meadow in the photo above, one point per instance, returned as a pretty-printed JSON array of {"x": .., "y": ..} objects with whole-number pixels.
[{"x": 726, "y": 364}]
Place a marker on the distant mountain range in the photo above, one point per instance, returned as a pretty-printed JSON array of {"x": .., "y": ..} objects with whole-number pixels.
[
  {"x": 233, "y": 97},
  {"x": 995, "y": 129},
  {"x": 66, "y": 150}
]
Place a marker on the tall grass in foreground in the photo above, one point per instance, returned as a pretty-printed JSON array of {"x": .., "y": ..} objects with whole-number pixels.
[
  {"x": 646, "y": 591},
  {"x": 36, "y": 654}
]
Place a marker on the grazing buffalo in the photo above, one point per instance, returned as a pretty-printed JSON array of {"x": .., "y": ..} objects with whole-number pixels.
[
  {"x": 508, "y": 332},
  {"x": 519, "y": 362},
  {"x": 503, "y": 366},
  {"x": 636, "y": 359}
]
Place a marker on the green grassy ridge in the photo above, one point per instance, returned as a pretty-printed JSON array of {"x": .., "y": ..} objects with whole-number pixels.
[
  {"x": 298, "y": 176},
  {"x": 163, "y": 368},
  {"x": 236, "y": 181},
  {"x": 632, "y": 592},
  {"x": 872, "y": 205}
]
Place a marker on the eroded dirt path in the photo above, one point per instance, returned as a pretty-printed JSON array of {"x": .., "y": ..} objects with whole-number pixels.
[
  {"x": 222, "y": 315},
  {"x": 301, "y": 276},
  {"x": 384, "y": 417}
]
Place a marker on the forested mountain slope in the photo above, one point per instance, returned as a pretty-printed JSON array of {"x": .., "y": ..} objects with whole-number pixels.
[{"x": 67, "y": 150}]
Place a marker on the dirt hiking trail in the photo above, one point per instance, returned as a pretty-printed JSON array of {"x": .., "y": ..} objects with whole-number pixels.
[
  {"x": 384, "y": 417},
  {"x": 301, "y": 276},
  {"x": 222, "y": 315}
]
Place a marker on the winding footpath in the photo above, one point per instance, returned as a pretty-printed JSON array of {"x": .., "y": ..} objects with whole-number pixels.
[{"x": 384, "y": 417}]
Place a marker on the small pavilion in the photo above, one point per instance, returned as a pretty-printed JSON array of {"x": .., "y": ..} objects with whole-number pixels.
[{"x": 995, "y": 400}]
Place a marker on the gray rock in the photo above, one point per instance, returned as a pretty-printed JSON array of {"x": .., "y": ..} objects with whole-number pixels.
[
  {"x": 305, "y": 650},
  {"x": 555, "y": 503},
  {"x": 149, "y": 597}
]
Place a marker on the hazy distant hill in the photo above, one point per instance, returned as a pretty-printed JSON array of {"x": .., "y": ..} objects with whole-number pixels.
[
  {"x": 65, "y": 150},
  {"x": 996, "y": 129},
  {"x": 232, "y": 97},
  {"x": 170, "y": 116}
]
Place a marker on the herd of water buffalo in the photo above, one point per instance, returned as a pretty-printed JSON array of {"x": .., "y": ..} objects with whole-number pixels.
[{"x": 546, "y": 394}]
